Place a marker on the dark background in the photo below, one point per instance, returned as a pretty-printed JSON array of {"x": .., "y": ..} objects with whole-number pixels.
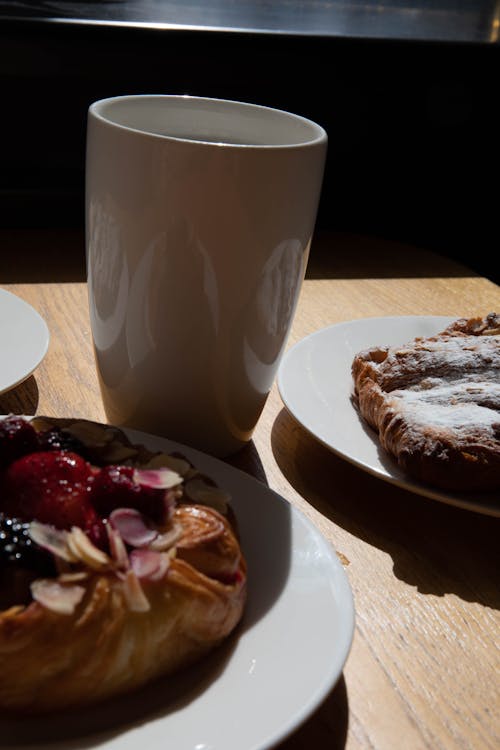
[{"x": 410, "y": 107}]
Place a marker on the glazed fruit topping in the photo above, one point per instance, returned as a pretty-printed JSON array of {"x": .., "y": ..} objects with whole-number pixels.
[
  {"x": 125, "y": 487},
  {"x": 52, "y": 487}
]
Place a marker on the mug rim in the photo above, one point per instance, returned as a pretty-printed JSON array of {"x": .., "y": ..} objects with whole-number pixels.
[{"x": 98, "y": 109}]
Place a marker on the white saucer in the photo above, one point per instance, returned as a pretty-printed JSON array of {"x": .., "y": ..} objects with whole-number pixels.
[
  {"x": 287, "y": 654},
  {"x": 24, "y": 340},
  {"x": 315, "y": 384}
]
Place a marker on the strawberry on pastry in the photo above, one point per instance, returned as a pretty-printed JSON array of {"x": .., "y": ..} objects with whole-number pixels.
[{"x": 52, "y": 487}]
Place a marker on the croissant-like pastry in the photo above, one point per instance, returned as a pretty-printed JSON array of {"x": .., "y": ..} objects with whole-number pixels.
[
  {"x": 435, "y": 404},
  {"x": 134, "y": 593}
]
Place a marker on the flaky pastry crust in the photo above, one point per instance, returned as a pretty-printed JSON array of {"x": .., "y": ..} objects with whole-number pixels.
[
  {"x": 435, "y": 404},
  {"x": 50, "y": 661}
]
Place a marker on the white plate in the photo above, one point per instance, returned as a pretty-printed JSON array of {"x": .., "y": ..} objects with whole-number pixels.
[
  {"x": 284, "y": 659},
  {"x": 24, "y": 340},
  {"x": 315, "y": 384}
]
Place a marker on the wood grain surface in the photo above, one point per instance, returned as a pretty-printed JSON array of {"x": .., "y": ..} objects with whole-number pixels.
[{"x": 423, "y": 671}]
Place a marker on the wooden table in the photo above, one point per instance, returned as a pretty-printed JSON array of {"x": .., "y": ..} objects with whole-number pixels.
[{"x": 423, "y": 671}]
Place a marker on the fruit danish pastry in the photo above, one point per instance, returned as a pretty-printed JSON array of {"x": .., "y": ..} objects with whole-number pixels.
[
  {"x": 435, "y": 404},
  {"x": 117, "y": 565}
]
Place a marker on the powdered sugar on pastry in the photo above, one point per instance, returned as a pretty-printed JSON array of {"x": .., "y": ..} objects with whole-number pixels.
[
  {"x": 435, "y": 403},
  {"x": 452, "y": 406},
  {"x": 447, "y": 358}
]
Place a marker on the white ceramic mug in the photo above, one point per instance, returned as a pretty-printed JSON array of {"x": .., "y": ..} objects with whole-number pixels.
[{"x": 199, "y": 219}]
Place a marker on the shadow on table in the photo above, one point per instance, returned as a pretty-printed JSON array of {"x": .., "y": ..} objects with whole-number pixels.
[
  {"x": 327, "y": 727},
  {"x": 23, "y": 399},
  {"x": 248, "y": 460},
  {"x": 435, "y": 547}
]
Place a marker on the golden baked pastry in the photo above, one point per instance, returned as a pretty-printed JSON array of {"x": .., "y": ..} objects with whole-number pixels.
[
  {"x": 117, "y": 565},
  {"x": 435, "y": 404}
]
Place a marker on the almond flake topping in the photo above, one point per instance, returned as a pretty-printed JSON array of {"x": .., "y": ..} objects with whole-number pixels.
[
  {"x": 84, "y": 550},
  {"x": 149, "y": 564},
  {"x": 134, "y": 595},
  {"x": 52, "y": 539},
  {"x": 57, "y": 597},
  {"x": 158, "y": 479},
  {"x": 117, "y": 548},
  {"x": 132, "y": 527},
  {"x": 167, "y": 539}
]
